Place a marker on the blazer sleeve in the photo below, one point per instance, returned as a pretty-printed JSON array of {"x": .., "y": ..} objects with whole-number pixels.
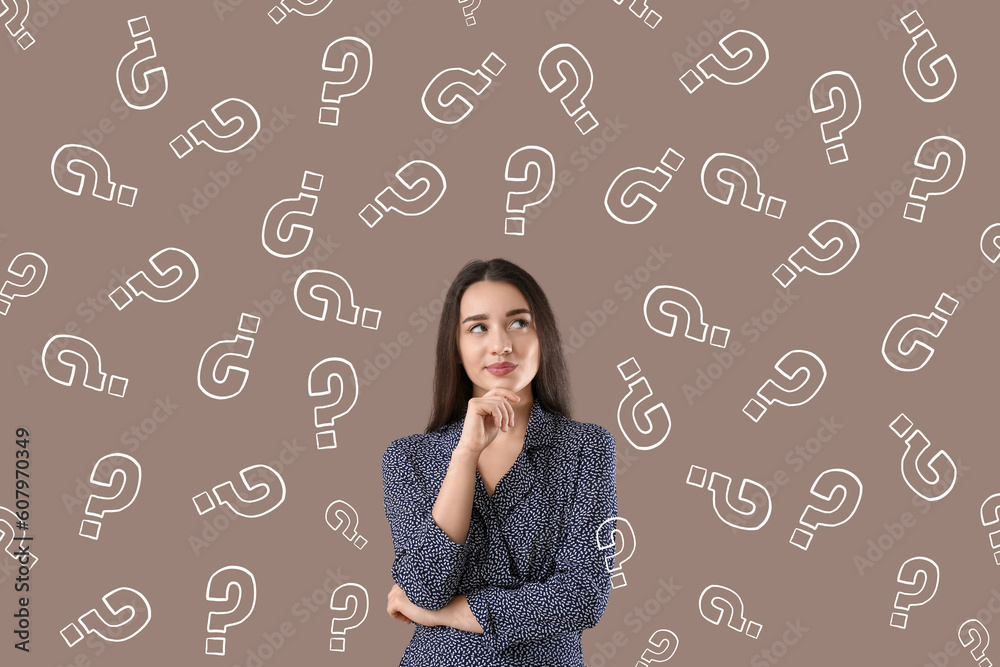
[
  {"x": 428, "y": 565},
  {"x": 575, "y": 596}
]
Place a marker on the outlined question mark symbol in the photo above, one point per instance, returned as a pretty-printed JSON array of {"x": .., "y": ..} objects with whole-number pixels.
[
  {"x": 953, "y": 153},
  {"x": 300, "y": 7},
  {"x": 612, "y": 528},
  {"x": 740, "y": 504},
  {"x": 649, "y": 428},
  {"x": 255, "y": 499},
  {"x": 232, "y": 125},
  {"x": 126, "y": 493},
  {"x": 165, "y": 262},
  {"x": 135, "y": 77},
  {"x": 15, "y": 24},
  {"x": 555, "y": 68},
  {"x": 846, "y": 104},
  {"x": 33, "y": 269},
  {"x": 971, "y": 631},
  {"x": 317, "y": 307},
  {"x": 130, "y": 614},
  {"x": 835, "y": 481},
  {"x": 805, "y": 373},
  {"x": 347, "y": 596},
  {"x": 637, "y": 184},
  {"x": 743, "y": 178},
  {"x": 745, "y": 56},
  {"x": 663, "y": 639},
  {"x": 346, "y": 516},
  {"x": 73, "y": 165},
  {"x": 468, "y": 7},
  {"x": 923, "y": 471},
  {"x": 989, "y": 243},
  {"x": 420, "y": 193},
  {"x": 912, "y": 330},
  {"x": 520, "y": 165},
  {"x": 930, "y": 80},
  {"x": 918, "y": 567},
  {"x": 990, "y": 514},
  {"x": 225, "y": 584},
  {"x": 320, "y": 384},
  {"x": 828, "y": 234},
  {"x": 359, "y": 52},
  {"x": 677, "y": 305},
  {"x": 282, "y": 241},
  {"x": 234, "y": 378},
  {"x": 716, "y": 600},
  {"x": 75, "y": 352},
  {"x": 440, "y": 98}
]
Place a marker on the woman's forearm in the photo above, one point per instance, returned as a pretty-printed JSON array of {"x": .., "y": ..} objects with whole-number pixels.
[{"x": 453, "y": 508}]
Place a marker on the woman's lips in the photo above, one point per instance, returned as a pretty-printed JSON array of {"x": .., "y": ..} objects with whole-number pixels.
[{"x": 501, "y": 369}]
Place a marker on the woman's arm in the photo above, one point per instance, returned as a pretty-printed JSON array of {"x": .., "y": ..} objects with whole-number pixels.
[
  {"x": 453, "y": 509},
  {"x": 575, "y": 596},
  {"x": 428, "y": 562}
]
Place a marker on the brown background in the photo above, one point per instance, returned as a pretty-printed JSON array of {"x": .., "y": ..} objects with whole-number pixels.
[{"x": 64, "y": 86}]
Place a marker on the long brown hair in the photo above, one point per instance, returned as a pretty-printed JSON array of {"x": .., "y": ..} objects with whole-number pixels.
[{"x": 452, "y": 387}]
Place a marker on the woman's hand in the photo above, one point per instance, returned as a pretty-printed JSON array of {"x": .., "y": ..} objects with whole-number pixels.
[
  {"x": 456, "y": 614},
  {"x": 486, "y": 416},
  {"x": 401, "y": 609}
]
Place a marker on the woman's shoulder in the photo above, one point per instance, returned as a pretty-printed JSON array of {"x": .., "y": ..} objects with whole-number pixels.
[
  {"x": 437, "y": 440},
  {"x": 585, "y": 435}
]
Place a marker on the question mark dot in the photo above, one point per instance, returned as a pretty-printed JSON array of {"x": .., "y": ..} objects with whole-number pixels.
[
  {"x": 898, "y": 621},
  {"x": 370, "y": 215},
  {"x": 117, "y": 386},
  {"x": 360, "y": 542},
  {"x": 691, "y": 81},
  {"x": 326, "y": 440},
  {"x": 784, "y": 275},
  {"x": 912, "y": 21},
  {"x": 91, "y": 529},
  {"x": 277, "y": 14},
  {"x": 753, "y": 629},
  {"x": 215, "y": 646},
  {"x": 586, "y": 122},
  {"x": 696, "y": 476},
  {"x": 120, "y": 297},
  {"x": 914, "y": 211},
  {"x": 775, "y": 207},
  {"x": 514, "y": 226},
  {"x": 370, "y": 318},
  {"x": 203, "y": 502},
  {"x": 71, "y": 634},
  {"x": 181, "y": 146},
  {"x": 836, "y": 154},
  {"x": 329, "y": 115},
  {"x": 720, "y": 336},
  {"x": 754, "y": 410},
  {"x": 337, "y": 643},
  {"x": 801, "y": 538}
]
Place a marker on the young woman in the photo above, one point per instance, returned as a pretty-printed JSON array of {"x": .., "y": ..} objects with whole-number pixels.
[{"x": 494, "y": 509}]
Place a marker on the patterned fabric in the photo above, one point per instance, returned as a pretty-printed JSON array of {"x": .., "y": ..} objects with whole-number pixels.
[{"x": 530, "y": 568}]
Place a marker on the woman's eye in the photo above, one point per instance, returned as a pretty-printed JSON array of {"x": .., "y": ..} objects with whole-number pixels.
[
  {"x": 473, "y": 328},
  {"x": 521, "y": 319}
]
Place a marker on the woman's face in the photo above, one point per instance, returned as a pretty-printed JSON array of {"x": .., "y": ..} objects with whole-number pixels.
[{"x": 497, "y": 340}]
